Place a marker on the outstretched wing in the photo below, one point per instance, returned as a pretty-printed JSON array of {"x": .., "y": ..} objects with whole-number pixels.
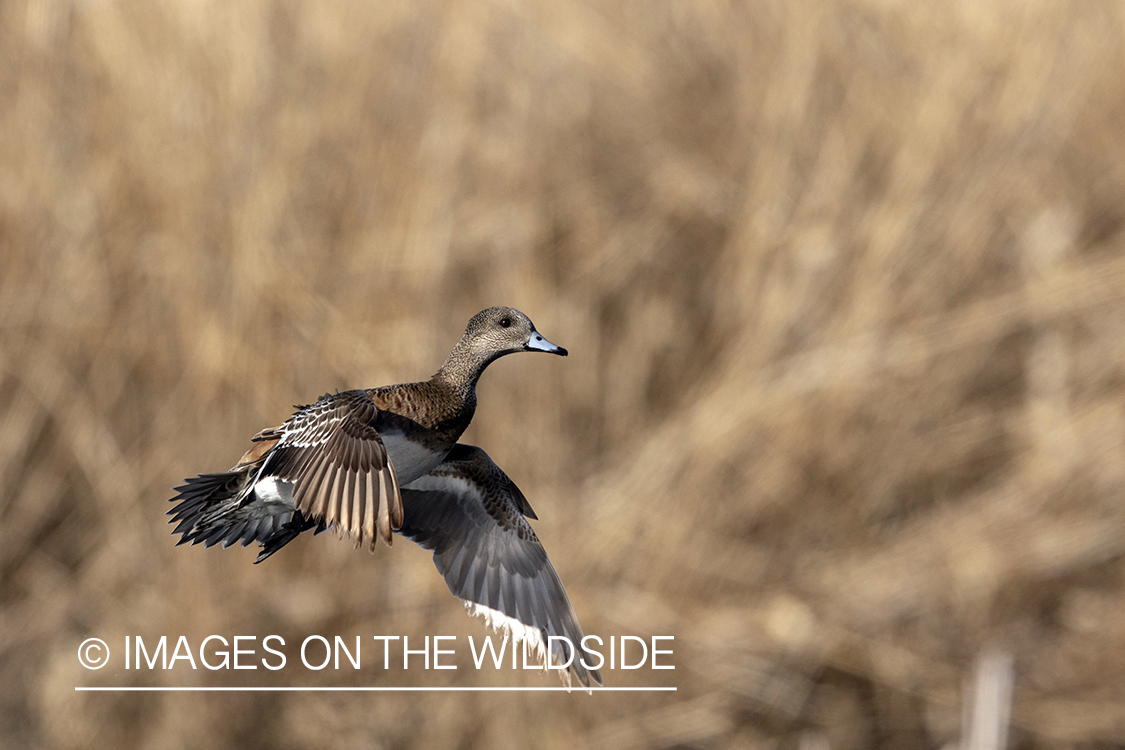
[
  {"x": 338, "y": 466},
  {"x": 209, "y": 511},
  {"x": 469, "y": 513}
]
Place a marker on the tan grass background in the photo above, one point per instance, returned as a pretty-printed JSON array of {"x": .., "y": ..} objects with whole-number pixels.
[{"x": 843, "y": 285}]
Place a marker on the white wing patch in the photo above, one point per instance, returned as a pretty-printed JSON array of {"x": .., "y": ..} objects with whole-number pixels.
[
  {"x": 446, "y": 483},
  {"x": 273, "y": 490},
  {"x": 519, "y": 633},
  {"x": 324, "y": 427}
]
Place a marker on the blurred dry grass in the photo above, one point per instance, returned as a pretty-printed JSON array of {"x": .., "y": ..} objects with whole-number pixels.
[{"x": 843, "y": 285}]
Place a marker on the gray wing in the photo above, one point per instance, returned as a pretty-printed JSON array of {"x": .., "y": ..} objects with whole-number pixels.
[
  {"x": 469, "y": 513},
  {"x": 209, "y": 511}
]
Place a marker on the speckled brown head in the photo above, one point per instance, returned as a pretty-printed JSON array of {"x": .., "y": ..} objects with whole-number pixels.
[
  {"x": 498, "y": 331},
  {"x": 491, "y": 334}
]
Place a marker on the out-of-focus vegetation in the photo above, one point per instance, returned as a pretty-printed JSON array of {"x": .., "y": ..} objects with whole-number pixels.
[{"x": 843, "y": 287}]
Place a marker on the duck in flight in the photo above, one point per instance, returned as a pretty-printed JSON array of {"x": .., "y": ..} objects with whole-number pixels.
[{"x": 371, "y": 462}]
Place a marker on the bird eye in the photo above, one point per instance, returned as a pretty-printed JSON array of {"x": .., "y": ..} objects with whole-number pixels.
[{"x": 505, "y": 322}]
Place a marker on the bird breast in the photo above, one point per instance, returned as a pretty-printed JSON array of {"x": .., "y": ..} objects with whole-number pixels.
[{"x": 410, "y": 458}]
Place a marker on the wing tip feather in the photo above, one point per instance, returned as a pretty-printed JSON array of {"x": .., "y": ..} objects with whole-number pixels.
[{"x": 519, "y": 633}]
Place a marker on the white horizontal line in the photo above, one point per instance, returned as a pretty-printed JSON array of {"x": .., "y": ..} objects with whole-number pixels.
[{"x": 367, "y": 689}]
